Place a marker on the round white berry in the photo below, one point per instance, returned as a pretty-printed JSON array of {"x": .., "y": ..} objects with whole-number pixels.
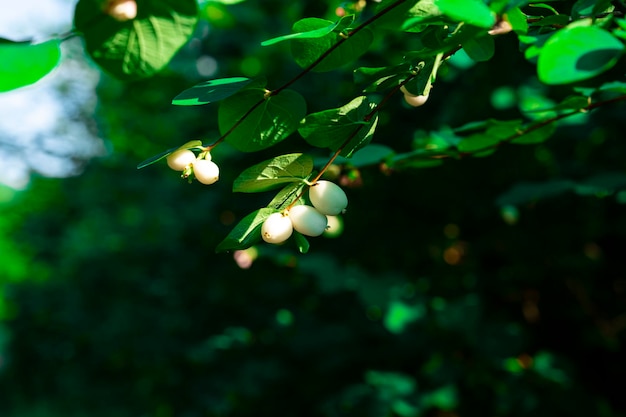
[
  {"x": 307, "y": 220},
  {"x": 180, "y": 159},
  {"x": 328, "y": 198},
  {"x": 205, "y": 171},
  {"x": 276, "y": 228},
  {"x": 122, "y": 10}
]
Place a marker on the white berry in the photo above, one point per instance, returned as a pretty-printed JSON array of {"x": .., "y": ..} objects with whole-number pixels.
[
  {"x": 276, "y": 228},
  {"x": 307, "y": 220},
  {"x": 122, "y": 10},
  {"x": 205, "y": 171},
  {"x": 180, "y": 159},
  {"x": 412, "y": 99},
  {"x": 415, "y": 101},
  {"x": 328, "y": 198}
]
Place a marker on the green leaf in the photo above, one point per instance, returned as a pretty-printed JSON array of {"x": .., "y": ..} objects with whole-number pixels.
[
  {"x": 22, "y": 63},
  {"x": 308, "y": 51},
  {"x": 576, "y": 54},
  {"x": 315, "y": 33},
  {"x": 302, "y": 242},
  {"x": 496, "y": 131},
  {"x": 409, "y": 16},
  {"x": 426, "y": 75},
  {"x": 569, "y": 103},
  {"x": 267, "y": 120},
  {"x": 526, "y": 192},
  {"x": 480, "y": 48},
  {"x": 286, "y": 196},
  {"x": 544, "y": 6},
  {"x": 518, "y": 20},
  {"x": 343, "y": 126},
  {"x": 210, "y": 91},
  {"x": 273, "y": 173},
  {"x": 247, "y": 232},
  {"x": 194, "y": 144},
  {"x": 138, "y": 47},
  {"x": 382, "y": 78},
  {"x": 473, "y": 12}
]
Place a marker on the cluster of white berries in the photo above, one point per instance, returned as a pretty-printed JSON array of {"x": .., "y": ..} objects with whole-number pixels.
[
  {"x": 327, "y": 199},
  {"x": 201, "y": 166},
  {"x": 412, "y": 99}
]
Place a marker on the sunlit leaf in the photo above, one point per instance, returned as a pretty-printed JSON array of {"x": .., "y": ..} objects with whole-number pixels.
[
  {"x": 286, "y": 196},
  {"x": 409, "y": 15},
  {"x": 308, "y": 51},
  {"x": 23, "y": 63},
  {"x": 210, "y": 91},
  {"x": 138, "y": 47},
  {"x": 577, "y": 53},
  {"x": 273, "y": 173},
  {"x": 315, "y": 33},
  {"x": 473, "y": 12}
]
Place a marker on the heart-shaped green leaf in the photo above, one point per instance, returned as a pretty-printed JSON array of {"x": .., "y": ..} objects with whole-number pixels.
[
  {"x": 210, "y": 91},
  {"x": 577, "y": 53},
  {"x": 254, "y": 122},
  {"x": 138, "y": 47}
]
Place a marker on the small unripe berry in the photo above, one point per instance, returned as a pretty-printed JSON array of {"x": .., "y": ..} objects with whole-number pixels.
[
  {"x": 334, "y": 226},
  {"x": 206, "y": 172},
  {"x": 276, "y": 228},
  {"x": 122, "y": 10},
  {"x": 307, "y": 220},
  {"x": 180, "y": 159},
  {"x": 328, "y": 198}
]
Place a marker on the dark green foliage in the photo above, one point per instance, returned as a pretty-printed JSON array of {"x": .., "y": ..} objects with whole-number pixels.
[{"x": 479, "y": 272}]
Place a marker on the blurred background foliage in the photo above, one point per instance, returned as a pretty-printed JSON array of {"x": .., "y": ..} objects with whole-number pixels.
[{"x": 482, "y": 286}]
